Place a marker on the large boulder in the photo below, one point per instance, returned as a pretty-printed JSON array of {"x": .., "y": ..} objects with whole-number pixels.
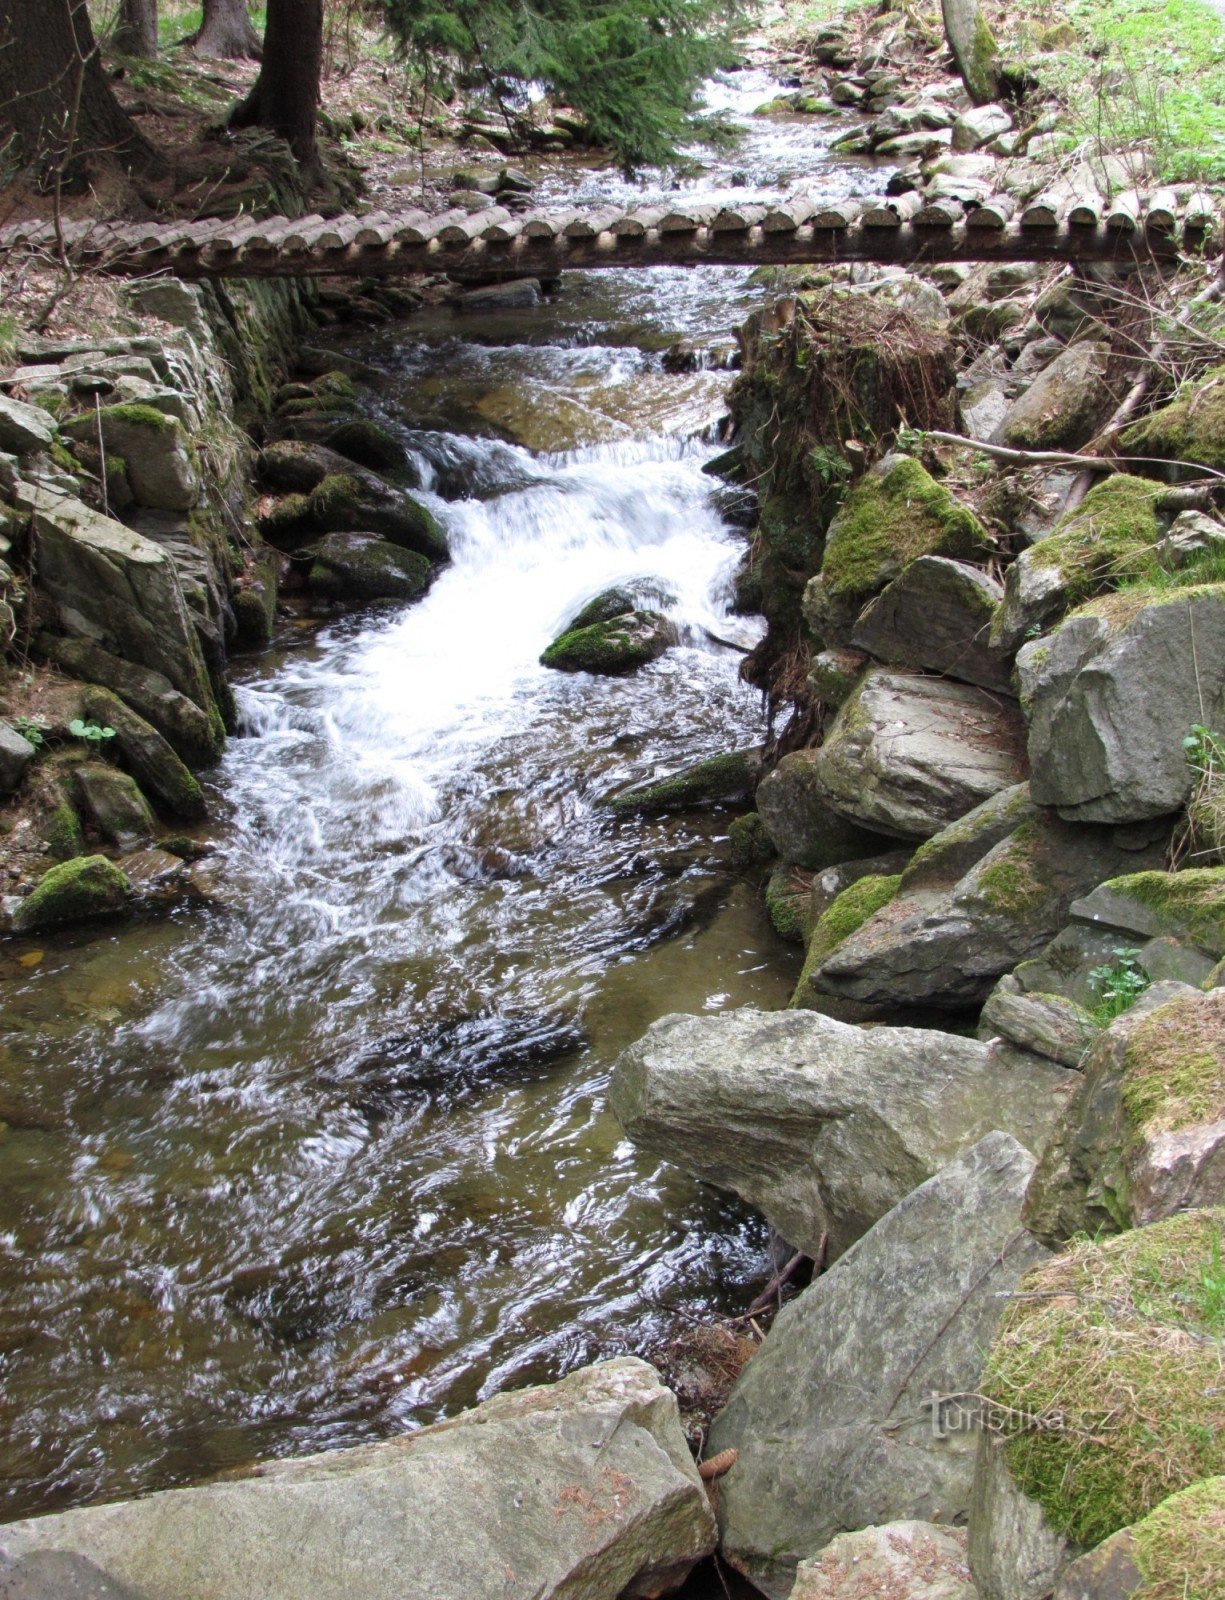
[
  {"x": 359, "y": 566},
  {"x": 821, "y": 1125},
  {"x": 833, "y": 1419},
  {"x": 1144, "y": 1135},
  {"x": 584, "y": 1489},
  {"x": 907, "y": 755},
  {"x": 612, "y": 648},
  {"x": 802, "y": 824},
  {"x": 144, "y": 753},
  {"x": 937, "y": 616},
  {"x": 1103, "y": 1390},
  {"x": 1112, "y": 535},
  {"x": 357, "y": 501},
  {"x": 74, "y": 891},
  {"x": 1066, "y": 403},
  {"x": 24, "y": 428},
  {"x": 918, "y": 1560},
  {"x": 113, "y": 802},
  {"x": 896, "y": 513},
  {"x": 116, "y": 589},
  {"x": 153, "y": 448},
  {"x": 948, "y": 947},
  {"x": 1111, "y": 697}
]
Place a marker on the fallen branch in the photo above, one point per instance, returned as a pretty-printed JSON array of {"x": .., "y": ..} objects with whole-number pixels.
[{"x": 1068, "y": 458}]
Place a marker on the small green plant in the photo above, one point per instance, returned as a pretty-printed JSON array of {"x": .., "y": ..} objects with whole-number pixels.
[
  {"x": 1211, "y": 1298},
  {"x": 93, "y": 733},
  {"x": 1205, "y": 830},
  {"x": 1117, "y": 985},
  {"x": 32, "y": 731}
]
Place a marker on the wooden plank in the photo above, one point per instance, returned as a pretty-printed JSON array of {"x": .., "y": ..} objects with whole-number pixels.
[
  {"x": 1048, "y": 209},
  {"x": 737, "y": 218},
  {"x": 413, "y": 232},
  {"x": 996, "y": 212},
  {"x": 462, "y": 230},
  {"x": 1161, "y": 216},
  {"x": 1124, "y": 213},
  {"x": 1199, "y": 212},
  {"x": 406, "y": 225},
  {"x": 786, "y": 216},
  {"x": 501, "y": 230},
  {"x": 893, "y": 211},
  {"x": 376, "y": 232}
]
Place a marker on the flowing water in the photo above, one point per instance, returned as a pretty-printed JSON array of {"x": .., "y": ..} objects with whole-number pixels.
[{"x": 335, "y": 1160}]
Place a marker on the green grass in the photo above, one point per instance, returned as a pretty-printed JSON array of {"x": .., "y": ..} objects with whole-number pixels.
[{"x": 1148, "y": 73}]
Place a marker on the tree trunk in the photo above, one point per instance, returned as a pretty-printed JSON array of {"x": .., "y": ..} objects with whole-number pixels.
[
  {"x": 974, "y": 49},
  {"x": 55, "y": 101},
  {"x": 285, "y": 96},
  {"x": 227, "y": 31},
  {"x": 136, "y": 30}
]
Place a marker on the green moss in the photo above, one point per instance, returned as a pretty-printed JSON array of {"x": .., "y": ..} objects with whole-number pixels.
[
  {"x": 76, "y": 890},
  {"x": 1014, "y": 884},
  {"x": 1189, "y": 903},
  {"x": 887, "y": 521},
  {"x": 954, "y": 841},
  {"x": 325, "y": 405},
  {"x": 611, "y": 648},
  {"x": 289, "y": 517},
  {"x": 1109, "y": 538},
  {"x": 717, "y": 780},
  {"x": 749, "y": 843},
  {"x": 1107, "y": 1373},
  {"x": 789, "y": 902},
  {"x": 134, "y": 415},
  {"x": 62, "y": 832},
  {"x": 857, "y": 903},
  {"x": 64, "y": 458},
  {"x": 1180, "y": 1547},
  {"x": 1174, "y": 1065},
  {"x": 335, "y": 383},
  {"x": 1190, "y": 428}
]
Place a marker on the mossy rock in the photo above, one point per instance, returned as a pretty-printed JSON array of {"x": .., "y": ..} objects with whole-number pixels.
[
  {"x": 621, "y": 645},
  {"x": 748, "y": 842},
  {"x": 369, "y": 444},
  {"x": 895, "y": 514},
  {"x": 356, "y": 566},
  {"x": 147, "y": 756},
  {"x": 287, "y": 522},
  {"x": 360, "y": 502},
  {"x": 1106, "y": 1372},
  {"x": 1190, "y": 428},
  {"x": 1186, "y": 905},
  {"x": 718, "y": 780},
  {"x": 642, "y": 594},
  {"x": 75, "y": 891},
  {"x": 789, "y": 903},
  {"x": 293, "y": 466},
  {"x": 1179, "y": 1548},
  {"x": 848, "y": 913},
  {"x": 1174, "y": 1065},
  {"x": 62, "y": 832},
  {"x": 320, "y": 405},
  {"x": 254, "y": 601}
]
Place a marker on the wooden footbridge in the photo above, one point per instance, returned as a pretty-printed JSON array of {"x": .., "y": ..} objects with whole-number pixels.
[{"x": 496, "y": 242}]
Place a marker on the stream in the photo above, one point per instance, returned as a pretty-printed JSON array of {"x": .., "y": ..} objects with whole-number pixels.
[{"x": 335, "y": 1161}]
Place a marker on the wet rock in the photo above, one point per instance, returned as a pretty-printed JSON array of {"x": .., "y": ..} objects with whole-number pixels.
[
  {"x": 149, "y": 758},
  {"x": 641, "y": 594},
  {"x": 16, "y": 754},
  {"x": 1047, "y": 1025},
  {"x": 832, "y": 1417},
  {"x": 58, "y": 1575},
  {"x": 518, "y": 295},
  {"x": 369, "y": 444},
  {"x": 359, "y": 502},
  {"x": 803, "y": 826},
  {"x": 623, "y": 644},
  {"x": 921, "y": 1560},
  {"x": 749, "y": 845},
  {"x": 294, "y": 466},
  {"x": 359, "y": 566},
  {"x": 113, "y": 802},
  {"x": 74, "y": 891},
  {"x": 189, "y": 730},
  {"x": 1064, "y": 406},
  {"x": 116, "y": 589},
  {"x": 1111, "y": 697},
  {"x": 937, "y": 616},
  {"x": 585, "y": 1487},
  {"x": 948, "y": 948},
  {"x": 153, "y": 447},
  {"x": 24, "y": 428},
  {"x": 719, "y": 780},
  {"x": 908, "y": 755},
  {"x": 820, "y": 1125},
  {"x": 254, "y": 599},
  {"x": 1107, "y": 537},
  {"x": 155, "y": 877},
  {"x": 1144, "y": 1136}
]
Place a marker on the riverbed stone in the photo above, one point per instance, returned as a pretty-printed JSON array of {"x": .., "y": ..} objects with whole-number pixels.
[
  {"x": 16, "y": 753},
  {"x": 294, "y": 466},
  {"x": 153, "y": 446},
  {"x": 638, "y": 594},
  {"x": 584, "y": 1489},
  {"x": 832, "y": 1418},
  {"x": 802, "y": 825},
  {"x": 948, "y": 948},
  {"x": 821, "y": 1125},
  {"x": 906, "y": 755},
  {"x": 113, "y": 802},
  {"x": 623, "y": 644},
  {"x": 144, "y": 753},
  {"x": 937, "y": 616},
  {"x": 74, "y": 891},
  {"x": 116, "y": 589},
  {"x": 1111, "y": 696},
  {"x": 358, "y": 501},
  {"x": 918, "y": 1560},
  {"x": 1065, "y": 404},
  {"x": 23, "y": 427},
  {"x": 718, "y": 780},
  {"x": 1144, "y": 1135},
  {"x": 360, "y": 566}
]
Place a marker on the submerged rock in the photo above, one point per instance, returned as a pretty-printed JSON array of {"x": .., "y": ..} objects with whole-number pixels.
[
  {"x": 719, "y": 780},
  {"x": 74, "y": 891},
  {"x": 623, "y": 644},
  {"x": 821, "y": 1125},
  {"x": 832, "y": 1419},
  {"x": 583, "y": 1489}
]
